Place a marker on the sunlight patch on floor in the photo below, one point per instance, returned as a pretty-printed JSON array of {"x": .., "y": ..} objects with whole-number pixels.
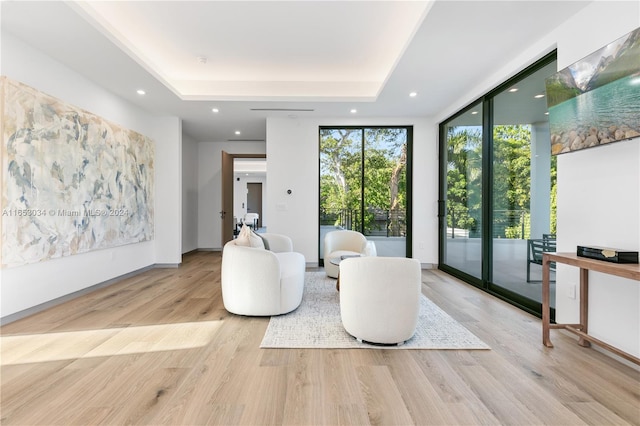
[{"x": 46, "y": 347}]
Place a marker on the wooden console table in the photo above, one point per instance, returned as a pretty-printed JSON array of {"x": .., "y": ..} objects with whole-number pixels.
[{"x": 631, "y": 271}]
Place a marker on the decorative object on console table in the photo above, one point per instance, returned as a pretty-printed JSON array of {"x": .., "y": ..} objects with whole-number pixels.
[{"x": 608, "y": 254}]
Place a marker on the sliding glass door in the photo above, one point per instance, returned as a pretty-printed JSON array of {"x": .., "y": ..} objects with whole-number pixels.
[
  {"x": 523, "y": 177},
  {"x": 497, "y": 189},
  {"x": 364, "y": 185},
  {"x": 462, "y": 222}
]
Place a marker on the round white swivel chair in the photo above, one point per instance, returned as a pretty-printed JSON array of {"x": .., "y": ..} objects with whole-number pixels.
[
  {"x": 344, "y": 243},
  {"x": 260, "y": 282},
  {"x": 380, "y": 298}
]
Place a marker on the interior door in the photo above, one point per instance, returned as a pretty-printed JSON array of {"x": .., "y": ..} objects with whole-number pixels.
[
  {"x": 226, "y": 213},
  {"x": 254, "y": 200}
]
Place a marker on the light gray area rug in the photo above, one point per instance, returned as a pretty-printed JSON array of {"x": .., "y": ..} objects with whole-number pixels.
[{"x": 317, "y": 324}]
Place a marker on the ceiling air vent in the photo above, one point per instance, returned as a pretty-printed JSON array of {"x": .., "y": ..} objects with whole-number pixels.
[{"x": 282, "y": 109}]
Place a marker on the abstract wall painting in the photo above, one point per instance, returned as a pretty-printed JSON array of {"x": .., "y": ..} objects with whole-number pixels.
[
  {"x": 72, "y": 182},
  {"x": 595, "y": 101}
]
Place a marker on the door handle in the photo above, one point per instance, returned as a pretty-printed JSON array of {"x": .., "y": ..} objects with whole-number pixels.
[{"x": 222, "y": 214}]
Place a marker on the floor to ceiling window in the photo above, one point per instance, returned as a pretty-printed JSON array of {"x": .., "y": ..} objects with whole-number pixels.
[
  {"x": 463, "y": 141},
  {"x": 364, "y": 185},
  {"x": 497, "y": 189}
]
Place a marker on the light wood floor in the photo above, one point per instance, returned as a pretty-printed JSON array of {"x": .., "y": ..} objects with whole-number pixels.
[{"x": 159, "y": 348}]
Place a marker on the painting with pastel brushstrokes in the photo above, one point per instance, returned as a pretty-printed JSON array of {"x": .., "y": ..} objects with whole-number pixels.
[{"x": 72, "y": 182}]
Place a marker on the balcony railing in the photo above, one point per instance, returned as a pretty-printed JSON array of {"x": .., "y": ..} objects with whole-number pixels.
[
  {"x": 514, "y": 224},
  {"x": 377, "y": 222}
]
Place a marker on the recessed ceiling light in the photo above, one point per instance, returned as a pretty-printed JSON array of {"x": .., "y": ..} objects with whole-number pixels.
[
  {"x": 539, "y": 96},
  {"x": 513, "y": 90},
  {"x": 353, "y": 111},
  {"x": 140, "y": 92},
  {"x": 474, "y": 112},
  {"x": 413, "y": 94},
  {"x": 237, "y": 132},
  {"x": 215, "y": 110},
  {"x": 546, "y": 113}
]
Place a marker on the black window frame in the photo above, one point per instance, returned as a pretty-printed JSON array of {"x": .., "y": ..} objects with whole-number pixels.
[
  {"x": 409, "y": 173},
  {"x": 485, "y": 282}
]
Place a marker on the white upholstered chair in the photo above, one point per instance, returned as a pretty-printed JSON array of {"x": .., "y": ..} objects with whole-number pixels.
[
  {"x": 251, "y": 219},
  {"x": 380, "y": 298},
  {"x": 344, "y": 243},
  {"x": 261, "y": 282}
]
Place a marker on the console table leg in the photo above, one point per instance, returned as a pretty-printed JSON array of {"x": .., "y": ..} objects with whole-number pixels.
[
  {"x": 584, "y": 306},
  {"x": 546, "y": 306}
]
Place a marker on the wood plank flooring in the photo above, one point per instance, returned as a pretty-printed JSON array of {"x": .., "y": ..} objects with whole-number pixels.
[{"x": 160, "y": 349}]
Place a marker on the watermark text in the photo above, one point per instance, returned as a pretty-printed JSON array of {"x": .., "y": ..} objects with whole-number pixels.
[{"x": 66, "y": 213}]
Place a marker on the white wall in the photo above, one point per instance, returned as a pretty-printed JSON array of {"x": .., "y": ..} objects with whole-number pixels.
[
  {"x": 292, "y": 146},
  {"x": 598, "y": 188},
  {"x": 167, "y": 133},
  {"x": 209, "y": 186},
  {"x": 591, "y": 212},
  {"x": 292, "y": 156},
  {"x": 189, "y": 194},
  {"x": 27, "y": 286},
  {"x": 599, "y": 197}
]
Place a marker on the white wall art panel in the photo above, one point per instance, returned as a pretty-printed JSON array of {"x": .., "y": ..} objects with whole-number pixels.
[{"x": 72, "y": 182}]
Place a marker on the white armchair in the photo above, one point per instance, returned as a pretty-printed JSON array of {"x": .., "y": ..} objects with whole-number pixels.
[
  {"x": 260, "y": 282},
  {"x": 277, "y": 243},
  {"x": 344, "y": 242},
  {"x": 251, "y": 219},
  {"x": 380, "y": 298}
]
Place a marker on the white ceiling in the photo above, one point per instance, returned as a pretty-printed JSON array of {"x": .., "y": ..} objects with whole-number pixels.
[
  {"x": 297, "y": 58},
  {"x": 301, "y": 50}
]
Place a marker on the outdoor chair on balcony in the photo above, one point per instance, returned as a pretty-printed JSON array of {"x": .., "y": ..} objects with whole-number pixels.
[{"x": 535, "y": 249}]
